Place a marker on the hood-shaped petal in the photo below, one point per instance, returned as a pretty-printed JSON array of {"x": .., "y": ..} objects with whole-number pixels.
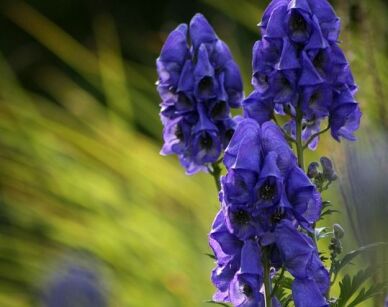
[
  {"x": 221, "y": 54},
  {"x": 186, "y": 80},
  {"x": 244, "y": 291},
  {"x": 270, "y": 167},
  {"x": 344, "y": 120},
  {"x": 289, "y": 58},
  {"x": 247, "y": 128},
  {"x": 272, "y": 139},
  {"x": 201, "y": 31},
  {"x": 299, "y": 4},
  {"x": 251, "y": 258},
  {"x": 306, "y": 294},
  {"x": 294, "y": 247},
  {"x": 309, "y": 74},
  {"x": 323, "y": 10},
  {"x": 204, "y": 123},
  {"x": 275, "y": 26},
  {"x": 233, "y": 84},
  {"x": 257, "y": 107},
  {"x": 175, "y": 48},
  {"x": 317, "y": 40}
]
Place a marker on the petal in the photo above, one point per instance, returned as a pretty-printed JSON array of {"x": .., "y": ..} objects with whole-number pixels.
[
  {"x": 323, "y": 10},
  {"x": 275, "y": 26},
  {"x": 233, "y": 84},
  {"x": 251, "y": 258},
  {"x": 309, "y": 74},
  {"x": 204, "y": 76},
  {"x": 299, "y": 4},
  {"x": 175, "y": 48},
  {"x": 258, "y": 108},
  {"x": 289, "y": 58},
  {"x": 317, "y": 40},
  {"x": 201, "y": 31},
  {"x": 295, "y": 249},
  {"x": 247, "y": 128},
  {"x": 270, "y": 168},
  {"x": 306, "y": 294}
]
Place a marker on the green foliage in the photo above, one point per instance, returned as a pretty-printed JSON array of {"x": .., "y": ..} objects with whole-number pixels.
[
  {"x": 350, "y": 287},
  {"x": 338, "y": 265}
]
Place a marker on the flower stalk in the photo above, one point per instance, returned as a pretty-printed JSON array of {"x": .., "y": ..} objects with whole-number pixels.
[
  {"x": 267, "y": 279},
  {"x": 215, "y": 171},
  {"x": 299, "y": 140}
]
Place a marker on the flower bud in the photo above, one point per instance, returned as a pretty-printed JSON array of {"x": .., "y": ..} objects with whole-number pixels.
[
  {"x": 312, "y": 170},
  {"x": 339, "y": 232},
  {"x": 328, "y": 170}
]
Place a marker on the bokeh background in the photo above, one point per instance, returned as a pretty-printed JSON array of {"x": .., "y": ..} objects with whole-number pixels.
[{"x": 84, "y": 195}]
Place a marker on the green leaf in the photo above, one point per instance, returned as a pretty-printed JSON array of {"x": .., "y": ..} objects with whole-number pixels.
[
  {"x": 363, "y": 295},
  {"x": 351, "y": 255},
  {"x": 328, "y": 212},
  {"x": 350, "y": 285}
]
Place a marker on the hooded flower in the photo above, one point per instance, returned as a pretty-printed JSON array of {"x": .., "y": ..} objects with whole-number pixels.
[
  {"x": 265, "y": 197},
  {"x": 198, "y": 84},
  {"x": 301, "y": 259},
  {"x": 298, "y": 66}
]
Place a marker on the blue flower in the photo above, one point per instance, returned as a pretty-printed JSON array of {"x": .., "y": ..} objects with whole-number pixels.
[
  {"x": 299, "y": 67},
  {"x": 244, "y": 291},
  {"x": 265, "y": 197},
  {"x": 198, "y": 85},
  {"x": 301, "y": 259}
]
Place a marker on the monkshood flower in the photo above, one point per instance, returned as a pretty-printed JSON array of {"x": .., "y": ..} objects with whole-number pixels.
[
  {"x": 300, "y": 71},
  {"x": 198, "y": 82},
  {"x": 265, "y": 198},
  {"x": 301, "y": 259},
  {"x": 264, "y": 183},
  {"x": 74, "y": 286}
]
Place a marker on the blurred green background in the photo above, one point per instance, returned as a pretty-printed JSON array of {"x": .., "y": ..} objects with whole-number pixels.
[{"x": 80, "y": 171}]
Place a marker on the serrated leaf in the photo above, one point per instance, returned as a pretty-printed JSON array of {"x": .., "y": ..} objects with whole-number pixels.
[
  {"x": 283, "y": 296},
  {"x": 351, "y": 255},
  {"x": 217, "y": 303},
  {"x": 350, "y": 285},
  {"x": 286, "y": 300},
  {"x": 363, "y": 295},
  {"x": 285, "y": 282},
  {"x": 328, "y": 212},
  {"x": 326, "y": 203}
]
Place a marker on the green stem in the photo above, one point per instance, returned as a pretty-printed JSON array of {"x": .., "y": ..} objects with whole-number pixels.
[
  {"x": 215, "y": 171},
  {"x": 267, "y": 279},
  {"x": 315, "y": 135},
  {"x": 299, "y": 141},
  {"x": 299, "y": 151}
]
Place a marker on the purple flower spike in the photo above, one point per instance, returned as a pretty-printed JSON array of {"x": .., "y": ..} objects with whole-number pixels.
[
  {"x": 299, "y": 67},
  {"x": 198, "y": 85},
  {"x": 265, "y": 199}
]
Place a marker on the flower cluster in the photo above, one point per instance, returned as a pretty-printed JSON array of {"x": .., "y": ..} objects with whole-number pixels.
[
  {"x": 198, "y": 84},
  {"x": 268, "y": 205},
  {"x": 299, "y": 70}
]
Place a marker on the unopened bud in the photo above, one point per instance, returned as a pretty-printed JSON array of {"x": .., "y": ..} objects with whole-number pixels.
[
  {"x": 312, "y": 170},
  {"x": 339, "y": 232},
  {"x": 328, "y": 170}
]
